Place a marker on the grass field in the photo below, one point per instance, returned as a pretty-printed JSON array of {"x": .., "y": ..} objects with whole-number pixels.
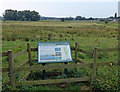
[{"x": 89, "y": 34}]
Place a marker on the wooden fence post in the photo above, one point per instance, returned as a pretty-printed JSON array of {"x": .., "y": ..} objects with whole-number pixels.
[
  {"x": 94, "y": 63},
  {"x": 29, "y": 53},
  {"x": 76, "y": 47},
  {"x": 11, "y": 68}
]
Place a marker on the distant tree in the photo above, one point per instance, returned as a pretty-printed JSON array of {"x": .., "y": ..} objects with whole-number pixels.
[
  {"x": 62, "y": 19},
  {"x": 25, "y": 15},
  {"x": 35, "y": 16},
  {"x": 10, "y": 14},
  {"x": 111, "y": 17},
  {"x": 69, "y": 18},
  {"x": 83, "y": 18},
  {"x": 78, "y": 18},
  {"x": 90, "y": 18}
]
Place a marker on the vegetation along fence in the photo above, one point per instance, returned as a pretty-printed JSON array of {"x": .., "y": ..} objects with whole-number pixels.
[{"x": 32, "y": 67}]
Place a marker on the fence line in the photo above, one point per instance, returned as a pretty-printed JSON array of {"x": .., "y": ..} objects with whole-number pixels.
[
  {"x": 53, "y": 81},
  {"x": 31, "y": 68},
  {"x": 58, "y": 66},
  {"x": 5, "y": 69},
  {"x": 19, "y": 53},
  {"x": 107, "y": 49},
  {"x": 4, "y": 54},
  {"x": 51, "y": 67}
]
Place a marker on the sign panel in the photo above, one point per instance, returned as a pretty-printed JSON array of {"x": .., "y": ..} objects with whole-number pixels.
[{"x": 50, "y": 52}]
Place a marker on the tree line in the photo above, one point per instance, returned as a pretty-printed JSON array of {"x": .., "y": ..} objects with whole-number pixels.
[{"x": 25, "y": 15}]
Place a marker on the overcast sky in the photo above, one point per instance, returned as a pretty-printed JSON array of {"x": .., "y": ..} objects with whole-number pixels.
[{"x": 64, "y": 8}]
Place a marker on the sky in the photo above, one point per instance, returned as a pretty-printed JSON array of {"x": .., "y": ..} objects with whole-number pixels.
[{"x": 64, "y": 8}]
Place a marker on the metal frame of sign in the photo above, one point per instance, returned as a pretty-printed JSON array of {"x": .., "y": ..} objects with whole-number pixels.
[{"x": 62, "y": 61}]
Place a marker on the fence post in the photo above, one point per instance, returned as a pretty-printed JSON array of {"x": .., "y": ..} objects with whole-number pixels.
[
  {"x": 11, "y": 68},
  {"x": 76, "y": 47},
  {"x": 29, "y": 53},
  {"x": 94, "y": 63}
]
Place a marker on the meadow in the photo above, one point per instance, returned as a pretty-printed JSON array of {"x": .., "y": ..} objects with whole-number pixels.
[{"x": 88, "y": 34}]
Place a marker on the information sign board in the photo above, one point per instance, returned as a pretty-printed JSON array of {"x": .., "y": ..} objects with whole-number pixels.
[{"x": 50, "y": 52}]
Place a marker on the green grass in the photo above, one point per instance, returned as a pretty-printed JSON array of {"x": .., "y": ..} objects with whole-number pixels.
[{"x": 89, "y": 34}]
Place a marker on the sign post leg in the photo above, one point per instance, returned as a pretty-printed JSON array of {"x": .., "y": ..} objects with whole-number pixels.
[
  {"x": 65, "y": 70},
  {"x": 44, "y": 72}
]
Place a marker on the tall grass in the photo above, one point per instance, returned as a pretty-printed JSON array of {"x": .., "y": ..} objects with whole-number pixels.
[{"x": 88, "y": 34}]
